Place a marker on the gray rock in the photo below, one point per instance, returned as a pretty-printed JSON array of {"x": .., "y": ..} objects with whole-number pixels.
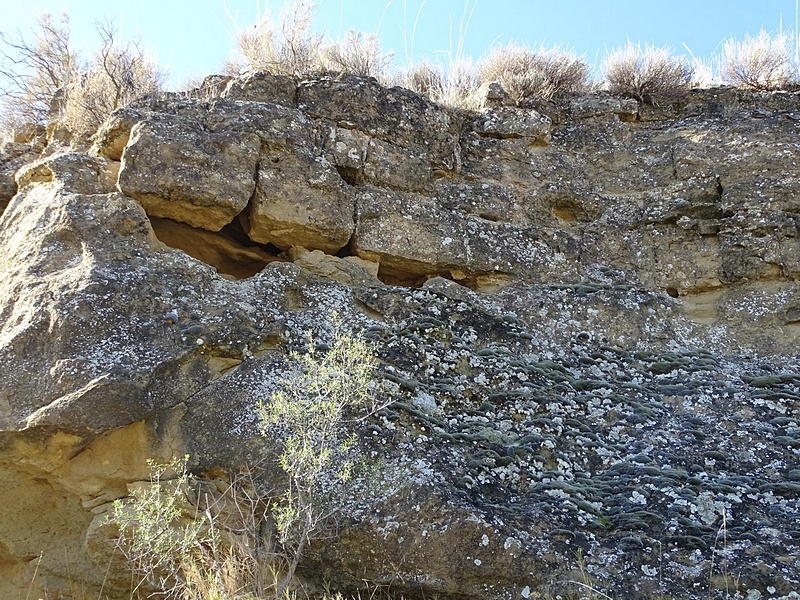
[{"x": 176, "y": 170}]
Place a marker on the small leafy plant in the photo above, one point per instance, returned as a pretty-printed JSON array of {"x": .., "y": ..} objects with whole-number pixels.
[
  {"x": 156, "y": 535},
  {"x": 309, "y": 413}
]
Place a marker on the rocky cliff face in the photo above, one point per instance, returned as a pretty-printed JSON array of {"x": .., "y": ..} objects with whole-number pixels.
[{"x": 587, "y": 314}]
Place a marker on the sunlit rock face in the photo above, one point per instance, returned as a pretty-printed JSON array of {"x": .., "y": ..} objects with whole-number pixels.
[{"x": 586, "y": 314}]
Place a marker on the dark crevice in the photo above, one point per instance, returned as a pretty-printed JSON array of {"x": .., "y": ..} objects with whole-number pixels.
[
  {"x": 229, "y": 250},
  {"x": 489, "y": 217},
  {"x": 348, "y": 249},
  {"x": 350, "y": 175}
]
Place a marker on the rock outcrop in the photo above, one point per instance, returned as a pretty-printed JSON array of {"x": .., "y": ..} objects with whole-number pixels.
[{"x": 587, "y": 316}]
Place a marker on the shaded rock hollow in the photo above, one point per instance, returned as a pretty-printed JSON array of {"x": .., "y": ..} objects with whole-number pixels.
[{"x": 588, "y": 316}]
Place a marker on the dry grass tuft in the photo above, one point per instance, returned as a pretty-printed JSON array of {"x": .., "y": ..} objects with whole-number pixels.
[
  {"x": 651, "y": 75},
  {"x": 455, "y": 87}
]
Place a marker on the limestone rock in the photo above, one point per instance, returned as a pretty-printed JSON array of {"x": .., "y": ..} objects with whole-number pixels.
[
  {"x": 493, "y": 95},
  {"x": 361, "y": 159},
  {"x": 595, "y": 105},
  {"x": 462, "y": 231},
  {"x": 588, "y": 329},
  {"x": 114, "y": 134},
  {"x": 176, "y": 170},
  {"x": 394, "y": 115},
  {"x": 513, "y": 123},
  {"x": 73, "y": 171},
  {"x": 262, "y": 87},
  {"x": 350, "y": 270},
  {"x": 300, "y": 200},
  {"x": 13, "y": 155}
]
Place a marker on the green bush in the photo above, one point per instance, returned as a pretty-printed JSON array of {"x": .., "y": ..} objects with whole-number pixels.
[
  {"x": 309, "y": 416},
  {"x": 187, "y": 539},
  {"x": 160, "y": 540}
]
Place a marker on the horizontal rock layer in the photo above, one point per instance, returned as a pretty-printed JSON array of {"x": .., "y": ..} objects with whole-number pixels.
[{"x": 586, "y": 315}]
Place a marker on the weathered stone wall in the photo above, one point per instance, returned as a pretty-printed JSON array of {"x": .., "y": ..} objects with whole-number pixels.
[{"x": 587, "y": 313}]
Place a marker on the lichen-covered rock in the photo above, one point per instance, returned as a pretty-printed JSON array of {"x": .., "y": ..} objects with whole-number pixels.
[
  {"x": 416, "y": 234},
  {"x": 72, "y": 171},
  {"x": 394, "y": 115},
  {"x": 12, "y": 156},
  {"x": 595, "y": 105},
  {"x": 262, "y": 87},
  {"x": 300, "y": 200},
  {"x": 177, "y": 170},
  {"x": 510, "y": 123},
  {"x": 588, "y": 330}
]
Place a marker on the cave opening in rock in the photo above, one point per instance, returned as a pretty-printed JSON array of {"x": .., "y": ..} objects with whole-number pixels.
[{"x": 229, "y": 250}]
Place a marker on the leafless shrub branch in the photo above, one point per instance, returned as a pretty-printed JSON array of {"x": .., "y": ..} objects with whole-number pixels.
[
  {"x": 42, "y": 80},
  {"x": 116, "y": 75},
  {"x": 33, "y": 73},
  {"x": 286, "y": 47}
]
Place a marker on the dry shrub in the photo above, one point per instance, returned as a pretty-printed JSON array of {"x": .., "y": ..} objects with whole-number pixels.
[
  {"x": 455, "y": 87},
  {"x": 527, "y": 74},
  {"x": 761, "y": 62},
  {"x": 650, "y": 74},
  {"x": 286, "y": 47},
  {"x": 357, "y": 54},
  {"x": 116, "y": 76},
  {"x": 422, "y": 78},
  {"x": 34, "y": 73},
  {"x": 45, "y": 82}
]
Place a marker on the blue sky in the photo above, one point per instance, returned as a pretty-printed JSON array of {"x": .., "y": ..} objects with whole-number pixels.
[{"x": 194, "y": 37}]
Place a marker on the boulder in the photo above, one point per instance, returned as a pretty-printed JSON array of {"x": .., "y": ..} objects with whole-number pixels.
[
  {"x": 13, "y": 155},
  {"x": 300, "y": 200},
  {"x": 177, "y": 170},
  {"x": 262, "y": 87}
]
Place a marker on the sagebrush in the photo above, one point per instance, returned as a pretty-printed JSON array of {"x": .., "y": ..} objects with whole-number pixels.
[
  {"x": 647, "y": 73},
  {"x": 527, "y": 74},
  {"x": 763, "y": 62},
  {"x": 194, "y": 539},
  {"x": 309, "y": 415}
]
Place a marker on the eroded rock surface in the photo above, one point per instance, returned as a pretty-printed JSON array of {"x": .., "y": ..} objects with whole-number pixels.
[
  {"x": 176, "y": 170},
  {"x": 12, "y": 157},
  {"x": 587, "y": 317}
]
